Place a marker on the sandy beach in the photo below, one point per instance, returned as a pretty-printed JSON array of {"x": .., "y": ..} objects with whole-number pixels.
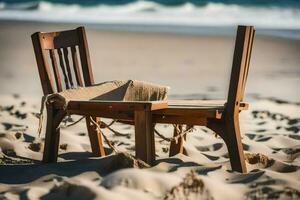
[
  {"x": 186, "y": 63},
  {"x": 195, "y": 67}
]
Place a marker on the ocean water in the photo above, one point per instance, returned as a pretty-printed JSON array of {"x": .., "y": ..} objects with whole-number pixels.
[{"x": 276, "y": 17}]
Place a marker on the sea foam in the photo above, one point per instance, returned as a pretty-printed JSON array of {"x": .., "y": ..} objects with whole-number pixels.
[{"x": 151, "y": 13}]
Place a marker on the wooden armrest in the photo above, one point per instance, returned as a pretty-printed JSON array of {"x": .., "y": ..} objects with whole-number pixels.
[{"x": 117, "y": 105}]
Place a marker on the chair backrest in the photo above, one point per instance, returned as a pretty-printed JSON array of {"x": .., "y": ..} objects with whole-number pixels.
[
  {"x": 240, "y": 67},
  {"x": 62, "y": 45}
]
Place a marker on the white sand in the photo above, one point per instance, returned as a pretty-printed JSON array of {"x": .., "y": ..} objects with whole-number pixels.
[{"x": 80, "y": 176}]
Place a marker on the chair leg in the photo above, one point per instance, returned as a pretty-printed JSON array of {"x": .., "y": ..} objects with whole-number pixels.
[
  {"x": 177, "y": 147},
  {"x": 230, "y": 132},
  {"x": 144, "y": 137},
  {"x": 95, "y": 136},
  {"x": 235, "y": 146},
  {"x": 52, "y": 136}
]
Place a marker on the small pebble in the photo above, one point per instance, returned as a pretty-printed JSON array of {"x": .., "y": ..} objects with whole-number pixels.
[{"x": 18, "y": 135}]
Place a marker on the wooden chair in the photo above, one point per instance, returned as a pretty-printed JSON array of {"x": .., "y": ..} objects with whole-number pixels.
[
  {"x": 49, "y": 46},
  {"x": 220, "y": 116}
]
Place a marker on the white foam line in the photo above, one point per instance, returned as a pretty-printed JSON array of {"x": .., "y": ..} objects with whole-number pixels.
[{"x": 149, "y": 13}]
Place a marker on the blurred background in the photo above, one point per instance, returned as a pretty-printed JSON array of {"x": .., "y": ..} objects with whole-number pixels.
[{"x": 187, "y": 45}]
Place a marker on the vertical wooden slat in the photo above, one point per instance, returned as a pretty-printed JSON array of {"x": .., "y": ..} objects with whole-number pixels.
[
  {"x": 250, "y": 44},
  {"x": 62, "y": 65},
  {"x": 43, "y": 67},
  {"x": 76, "y": 66},
  {"x": 85, "y": 57},
  {"x": 238, "y": 68},
  {"x": 55, "y": 70},
  {"x": 144, "y": 136},
  {"x": 66, "y": 52}
]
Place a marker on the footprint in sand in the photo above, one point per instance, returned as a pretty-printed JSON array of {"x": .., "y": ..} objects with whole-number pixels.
[
  {"x": 263, "y": 114},
  {"x": 63, "y": 146},
  {"x": 267, "y": 192},
  {"x": 284, "y": 167},
  {"x": 245, "y": 178},
  {"x": 213, "y": 147},
  {"x": 296, "y": 137},
  {"x": 203, "y": 148},
  {"x": 291, "y": 153},
  {"x": 7, "y": 126},
  {"x": 37, "y": 115},
  {"x": 123, "y": 143},
  {"x": 217, "y": 146},
  {"x": 165, "y": 149},
  {"x": 261, "y": 130},
  {"x": 294, "y": 129},
  {"x": 10, "y": 126},
  {"x": 210, "y": 157},
  {"x": 18, "y": 135},
  {"x": 66, "y": 190},
  {"x": 250, "y": 136},
  {"x": 278, "y": 117},
  {"x": 37, "y": 146},
  {"x": 20, "y": 115},
  {"x": 246, "y": 147},
  {"x": 262, "y": 138},
  {"x": 8, "y": 108},
  {"x": 264, "y": 161},
  {"x": 23, "y": 103},
  {"x": 293, "y": 121},
  {"x": 261, "y": 123},
  {"x": 28, "y": 138},
  {"x": 16, "y": 96}
]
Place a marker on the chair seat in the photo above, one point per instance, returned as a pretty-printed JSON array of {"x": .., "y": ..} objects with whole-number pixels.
[
  {"x": 196, "y": 103},
  {"x": 110, "y": 91},
  {"x": 187, "y": 110},
  {"x": 116, "y": 106},
  {"x": 202, "y": 103}
]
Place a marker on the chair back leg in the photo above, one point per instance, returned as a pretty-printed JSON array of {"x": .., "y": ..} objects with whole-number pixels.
[
  {"x": 95, "y": 136},
  {"x": 234, "y": 145},
  {"x": 176, "y": 147},
  {"x": 229, "y": 131}
]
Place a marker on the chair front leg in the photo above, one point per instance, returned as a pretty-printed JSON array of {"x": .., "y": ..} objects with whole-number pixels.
[
  {"x": 144, "y": 136},
  {"x": 54, "y": 117}
]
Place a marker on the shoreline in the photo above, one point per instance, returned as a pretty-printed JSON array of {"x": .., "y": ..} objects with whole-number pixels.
[{"x": 189, "y": 30}]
